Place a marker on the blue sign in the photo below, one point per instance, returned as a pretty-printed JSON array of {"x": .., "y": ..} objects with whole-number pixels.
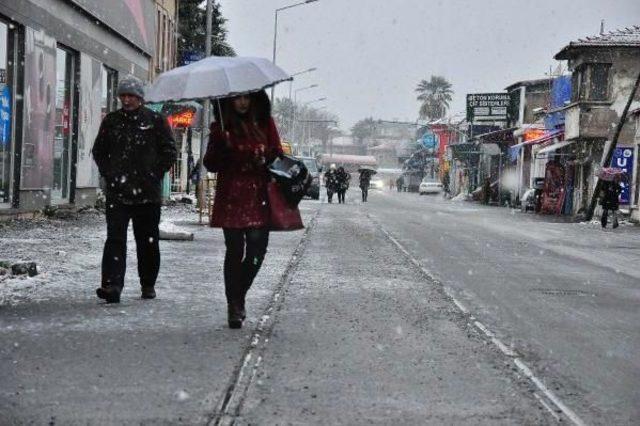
[
  {"x": 429, "y": 140},
  {"x": 191, "y": 57},
  {"x": 5, "y": 115},
  {"x": 623, "y": 159}
]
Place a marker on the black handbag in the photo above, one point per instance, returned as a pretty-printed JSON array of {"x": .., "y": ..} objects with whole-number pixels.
[{"x": 292, "y": 176}]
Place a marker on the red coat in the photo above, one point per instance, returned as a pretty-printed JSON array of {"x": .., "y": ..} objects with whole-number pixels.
[{"x": 241, "y": 191}]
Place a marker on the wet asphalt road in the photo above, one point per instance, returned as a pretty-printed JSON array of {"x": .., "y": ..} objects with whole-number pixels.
[
  {"x": 343, "y": 328},
  {"x": 563, "y": 295}
]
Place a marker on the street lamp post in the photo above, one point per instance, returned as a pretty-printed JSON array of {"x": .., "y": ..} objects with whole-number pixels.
[
  {"x": 275, "y": 31},
  {"x": 306, "y": 136},
  {"x": 299, "y": 73},
  {"x": 295, "y": 103}
]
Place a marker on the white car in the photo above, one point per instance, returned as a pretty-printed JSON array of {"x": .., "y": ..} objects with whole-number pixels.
[
  {"x": 376, "y": 183},
  {"x": 428, "y": 186}
]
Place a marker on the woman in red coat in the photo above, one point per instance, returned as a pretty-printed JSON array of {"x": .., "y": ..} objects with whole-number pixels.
[{"x": 240, "y": 154}]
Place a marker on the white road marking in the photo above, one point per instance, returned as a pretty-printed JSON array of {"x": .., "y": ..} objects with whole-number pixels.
[{"x": 568, "y": 412}]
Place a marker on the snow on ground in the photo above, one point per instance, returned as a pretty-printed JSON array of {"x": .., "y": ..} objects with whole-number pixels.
[{"x": 67, "y": 252}]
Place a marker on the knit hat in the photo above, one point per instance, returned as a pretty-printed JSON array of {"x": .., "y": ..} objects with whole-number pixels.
[{"x": 131, "y": 85}]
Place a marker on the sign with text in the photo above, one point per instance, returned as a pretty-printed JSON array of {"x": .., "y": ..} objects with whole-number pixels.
[
  {"x": 5, "y": 115},
  {"x": 487, "y": 106},
  {"x": 623, "y": 159}
]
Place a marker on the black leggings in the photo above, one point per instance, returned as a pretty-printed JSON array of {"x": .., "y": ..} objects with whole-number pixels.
[
  {"x": 246, "y": 249},
  {"x": 341, "y": 194}
]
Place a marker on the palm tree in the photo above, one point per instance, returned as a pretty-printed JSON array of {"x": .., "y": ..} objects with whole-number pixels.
[{"x": 435, "y": 96}]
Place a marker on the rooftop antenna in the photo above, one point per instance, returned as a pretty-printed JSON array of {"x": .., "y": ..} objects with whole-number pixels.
[{"x": 602, "y": 27}]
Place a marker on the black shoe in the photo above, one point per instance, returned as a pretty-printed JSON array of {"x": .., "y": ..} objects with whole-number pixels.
[
  {"x": 148, "y": 292},
  {"x": 234, "y": 315},
  {"x": 110, "y": 294}
]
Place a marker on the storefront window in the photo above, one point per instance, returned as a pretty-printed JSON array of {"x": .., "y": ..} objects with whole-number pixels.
[
  {"x": 64, "y": 128},
  {"x": 109, "y": 82},
  {"x": 6, "y": 114}
]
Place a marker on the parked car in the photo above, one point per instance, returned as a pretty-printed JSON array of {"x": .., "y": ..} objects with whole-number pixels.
[
  {"x": 430, "y": 186},
  {"x": 314, "y": 171}
]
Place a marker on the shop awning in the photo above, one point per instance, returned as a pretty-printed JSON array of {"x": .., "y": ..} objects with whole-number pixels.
[
  {"x": 554, "y": 147},
  {"x": 514, "y": 150}
]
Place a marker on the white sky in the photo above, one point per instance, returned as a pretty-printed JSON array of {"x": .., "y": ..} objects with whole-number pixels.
[{"x": 371, "y": 54}]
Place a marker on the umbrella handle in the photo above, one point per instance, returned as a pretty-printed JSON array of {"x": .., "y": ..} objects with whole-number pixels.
[{"x": 220, "y": 114}]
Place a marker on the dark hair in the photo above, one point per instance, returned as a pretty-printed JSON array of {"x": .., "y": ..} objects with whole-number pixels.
[{"x": 253, "y": 123}]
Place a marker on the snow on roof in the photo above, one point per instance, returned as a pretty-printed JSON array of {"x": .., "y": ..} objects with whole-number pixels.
[{"x": 627, "y": 37}]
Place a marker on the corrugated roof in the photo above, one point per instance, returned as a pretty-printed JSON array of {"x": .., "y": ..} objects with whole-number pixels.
[{"x": 627, "y": 37}]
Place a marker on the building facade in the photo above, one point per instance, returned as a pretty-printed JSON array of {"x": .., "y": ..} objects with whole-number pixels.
[
  {"x": 604, "y": 70},
  {"x": 60, "y": 61}
]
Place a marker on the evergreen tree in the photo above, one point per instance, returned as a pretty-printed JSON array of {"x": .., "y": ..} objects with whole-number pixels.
[{"x": 192, "y": 18}]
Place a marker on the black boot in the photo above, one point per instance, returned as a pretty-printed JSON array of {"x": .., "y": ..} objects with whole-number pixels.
[
  {"x": 148, "y": 292},
  {"x": 234, "y": 315},
  {"x": 110, "y": 294}
]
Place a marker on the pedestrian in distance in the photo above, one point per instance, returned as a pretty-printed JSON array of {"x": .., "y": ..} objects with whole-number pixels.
[
  {"x": 399, "y": 183},
  {"x": 240, "y": 149},
  {"x": 486, "y": 191},
  {"x": 331, "y": 182},
  {"x": 342, "y": 178},
  {"x": 365, "y": 182},
  {"x": 133, "y": 150},
  {"x": 610, "y": 201}
]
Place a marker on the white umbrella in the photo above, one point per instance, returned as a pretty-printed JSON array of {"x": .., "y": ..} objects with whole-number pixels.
[{"x": 215, "y": 77}]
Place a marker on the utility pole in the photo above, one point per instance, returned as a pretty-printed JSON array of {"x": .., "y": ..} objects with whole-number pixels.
[{"x": 206, "y": 111}]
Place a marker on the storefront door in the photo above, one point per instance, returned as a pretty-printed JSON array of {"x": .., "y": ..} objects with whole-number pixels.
[{"x": 61, "y": 188}]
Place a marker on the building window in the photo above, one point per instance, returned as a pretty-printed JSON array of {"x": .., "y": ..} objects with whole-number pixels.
[
  {"x": 109, "y": 101},
  {"x": 590, "y": 82}
]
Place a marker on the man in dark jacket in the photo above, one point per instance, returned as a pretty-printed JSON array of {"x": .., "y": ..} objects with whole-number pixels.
[{"x": 133, "y": 151}]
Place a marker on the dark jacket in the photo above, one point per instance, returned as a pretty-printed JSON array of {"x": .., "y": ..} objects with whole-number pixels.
[
  {"x": 241, "y": 163},
  {"x": 133, "y": 151},
  {"x": 610, "y": 196},
  {"x": 343, "y": 179},
  {"x": 331, "y": 180},
  {"x": 365, "y": 180}
]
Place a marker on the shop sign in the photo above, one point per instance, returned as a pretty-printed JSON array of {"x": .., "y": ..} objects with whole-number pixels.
[
  {"x": 182, "y": 119},
  {"x": 5, "y": 115},
  {"x": 487, "y": 106},
  {"x": 623, "y": 159},
  {"x": 429, "y": 140}
]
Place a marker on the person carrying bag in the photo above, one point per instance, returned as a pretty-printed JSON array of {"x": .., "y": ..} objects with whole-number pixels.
[{"x": 240, "y": 149}]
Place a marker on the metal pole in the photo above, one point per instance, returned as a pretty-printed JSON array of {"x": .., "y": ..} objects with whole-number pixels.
[
  {"x": 206, "y": 112},
  {"x": 275, "y": 40}
]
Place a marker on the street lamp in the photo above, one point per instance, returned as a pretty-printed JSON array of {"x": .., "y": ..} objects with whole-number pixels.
[
  {"x": 275, "y": 30},
  {"x": 295, "y": 106},
  {"x": 299, "y": 73}
]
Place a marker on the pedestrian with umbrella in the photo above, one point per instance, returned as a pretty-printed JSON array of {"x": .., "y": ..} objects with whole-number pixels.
[
  {"x": 610, "y": 194},
  {"x": 242, "y": 143},
  {"x": 365, "y": 182},
  {"x": 241, "y": 146}
]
